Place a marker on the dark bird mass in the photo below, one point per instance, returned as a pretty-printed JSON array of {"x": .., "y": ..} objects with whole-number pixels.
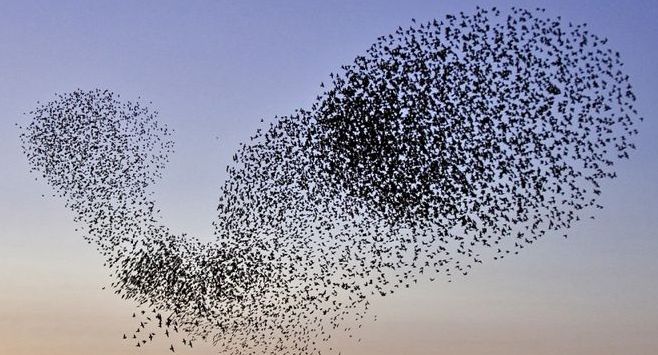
[{"x": 447, "y": 144}]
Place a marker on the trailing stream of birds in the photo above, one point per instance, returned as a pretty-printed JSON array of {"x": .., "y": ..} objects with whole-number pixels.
[{"x": 447, "y": 144}]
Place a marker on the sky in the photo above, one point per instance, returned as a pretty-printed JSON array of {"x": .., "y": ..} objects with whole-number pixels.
[{"x": 214, "y": 69}]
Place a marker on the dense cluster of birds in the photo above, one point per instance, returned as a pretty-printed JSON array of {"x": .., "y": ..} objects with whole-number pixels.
[{"x": 448, "y": 143}]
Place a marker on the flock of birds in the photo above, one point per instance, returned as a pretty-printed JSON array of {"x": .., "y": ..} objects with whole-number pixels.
[{"x": 448, "y": 143}]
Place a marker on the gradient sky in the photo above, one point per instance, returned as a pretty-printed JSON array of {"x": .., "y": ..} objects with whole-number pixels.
[{"x": 214, "y": 69}]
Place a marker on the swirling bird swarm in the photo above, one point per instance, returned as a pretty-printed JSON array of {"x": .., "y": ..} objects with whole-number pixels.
[{"x": 447, "y": 143}]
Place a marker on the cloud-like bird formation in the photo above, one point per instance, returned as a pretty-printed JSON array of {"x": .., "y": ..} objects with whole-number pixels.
[{"x": 446, "y": 144}]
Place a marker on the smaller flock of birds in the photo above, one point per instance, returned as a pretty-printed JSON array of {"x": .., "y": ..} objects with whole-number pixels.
[
  {"x": 446, "y": 144},
  {"x": 165, "y": 323}
]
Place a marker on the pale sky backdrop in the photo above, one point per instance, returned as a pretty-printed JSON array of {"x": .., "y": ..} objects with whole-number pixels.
[{"x": 214, "y": 69}]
